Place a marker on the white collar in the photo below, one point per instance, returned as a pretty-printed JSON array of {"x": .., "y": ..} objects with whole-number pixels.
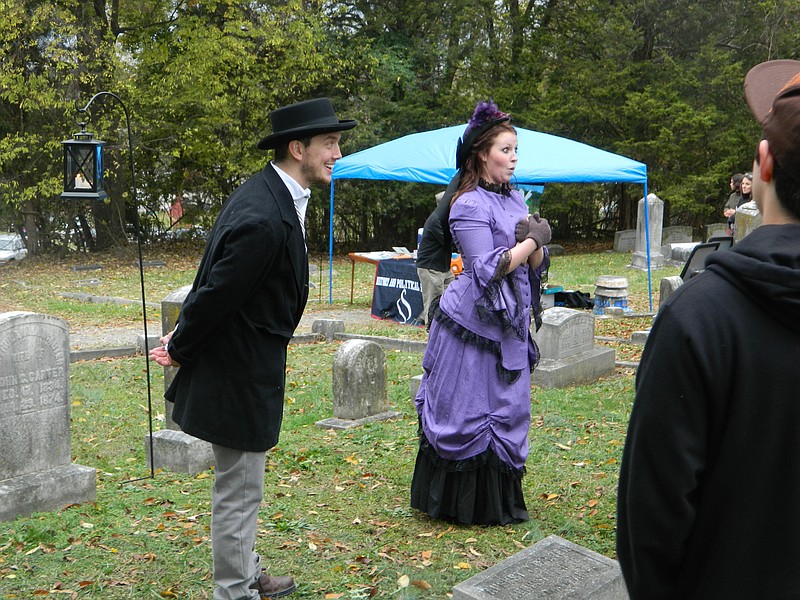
[
  {"x": 300, "y": 195},
  {"x": 297, "y": 191}
]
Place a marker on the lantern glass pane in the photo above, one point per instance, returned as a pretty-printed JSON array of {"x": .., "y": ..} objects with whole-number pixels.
[{"x": 79, "y": 169}]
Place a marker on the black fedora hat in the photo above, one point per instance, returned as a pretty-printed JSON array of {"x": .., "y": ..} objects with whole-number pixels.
[{"x": 303, "y": 119}]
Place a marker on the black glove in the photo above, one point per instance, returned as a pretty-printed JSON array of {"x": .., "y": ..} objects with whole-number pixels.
[{"x": 539, "y": 230}]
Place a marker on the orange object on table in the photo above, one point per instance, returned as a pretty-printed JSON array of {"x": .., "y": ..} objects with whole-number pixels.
[{"x": 456, "y": 264}]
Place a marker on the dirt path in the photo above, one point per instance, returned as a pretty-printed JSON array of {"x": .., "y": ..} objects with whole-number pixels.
[{"x": 89, "y": 338}]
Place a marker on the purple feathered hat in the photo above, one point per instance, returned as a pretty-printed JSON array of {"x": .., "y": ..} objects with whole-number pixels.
[{"x": 486, "y": 115}]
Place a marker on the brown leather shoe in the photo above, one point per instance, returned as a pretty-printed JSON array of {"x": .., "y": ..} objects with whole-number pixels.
[{"x": 273, "y": 587}]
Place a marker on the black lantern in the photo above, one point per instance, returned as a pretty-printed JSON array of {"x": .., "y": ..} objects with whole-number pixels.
[{"x": 83, "y": 167}]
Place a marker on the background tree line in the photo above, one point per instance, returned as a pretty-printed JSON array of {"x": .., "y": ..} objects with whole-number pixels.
[{"x": 659, "y": 81}]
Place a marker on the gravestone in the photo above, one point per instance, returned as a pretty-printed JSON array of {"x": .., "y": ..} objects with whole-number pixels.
[
  {"x": 568, "y": 355},
  {"x": 652, "y": 231},
  {"x": 747, "y": 219},
  {"x": 173, "y": 449},
  {"x": 413, "y": 386},
  {"x": 328, "y": 328},
  {"x": 36, "y": 470},
  {"x": 673, "y": 236},
  {"x": 552, "y": 569},
  {"x": 676, "y": 234},
  {"x": 359, "y": 386},
  {"x": 716, "y": 229},
  {"x": 668, "y": 287},
  {"x": 625, "y": 240},
  {"x": 681, "y": 252}
]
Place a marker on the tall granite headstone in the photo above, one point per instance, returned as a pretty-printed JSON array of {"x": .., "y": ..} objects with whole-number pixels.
[
  {"x": 173, "y": 449},
  {"x": 651, "y": 230},
  {"x": 359, "y": 386},
  {"x": 568, "y": 355},
  {"x": 36, "y": 470}
]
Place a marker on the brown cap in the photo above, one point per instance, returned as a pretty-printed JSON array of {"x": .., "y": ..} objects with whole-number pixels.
[{"x": 772, "y": 90}]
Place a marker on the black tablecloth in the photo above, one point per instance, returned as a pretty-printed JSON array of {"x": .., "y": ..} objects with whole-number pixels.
[{"x": 397, "y": 294}]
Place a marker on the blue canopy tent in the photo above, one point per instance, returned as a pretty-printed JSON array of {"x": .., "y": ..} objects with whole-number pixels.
[{"x": 429, "y": 157}]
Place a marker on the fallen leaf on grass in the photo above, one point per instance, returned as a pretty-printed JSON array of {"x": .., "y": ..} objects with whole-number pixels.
[
  {"x": 403, "y": 581},
  {"x": 421, "y": 584}
]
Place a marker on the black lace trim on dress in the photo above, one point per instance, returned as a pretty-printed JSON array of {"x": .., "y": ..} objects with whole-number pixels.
[
  {"x": 502, "y": 265},
  {"x": 496, "y": 188},
  {"x": 473, "y": 339},
  {"x": 473, "y": 463},
  {"x": 501, "y": 318}
]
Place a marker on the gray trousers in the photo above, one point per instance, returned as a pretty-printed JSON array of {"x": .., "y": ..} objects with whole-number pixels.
[
  {"x": 235, "y": 500},
  {"x": 433, "y": 284}
]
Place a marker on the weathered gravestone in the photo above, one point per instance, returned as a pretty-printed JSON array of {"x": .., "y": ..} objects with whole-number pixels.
[
  {"x": 173, "y": 449},
  {"x": 650, "y": 231},
  {"x": 568, "y": 355},
  {"x": 747, "y": 219},
  {"x": 36, "y": 470},
  {"x": 552, "y": 569},
  {"x": 716, "y": 229},
  {"x": 359, "y": 386},
  {"x": 668, "y": 287},
  {"x": 327, "y": 328},
  {"x": 676, "y": 234},
  {"x": 413, "y": 386},
  {"x": 625, "y": 240}
]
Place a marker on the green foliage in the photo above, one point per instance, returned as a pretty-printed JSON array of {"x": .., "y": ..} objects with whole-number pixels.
[{"x": 661, "y": 83}]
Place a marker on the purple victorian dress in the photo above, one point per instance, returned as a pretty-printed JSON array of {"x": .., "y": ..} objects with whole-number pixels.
[{"x": 474, "y": 398}]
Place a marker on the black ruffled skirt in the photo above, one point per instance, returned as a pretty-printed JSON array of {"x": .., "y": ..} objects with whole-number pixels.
[{"x": 481, "y": 490}]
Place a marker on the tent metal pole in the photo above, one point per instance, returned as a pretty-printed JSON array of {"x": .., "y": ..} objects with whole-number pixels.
[
  {"x": 330, "y": 251},
  {"x": 647, "y": 244}
]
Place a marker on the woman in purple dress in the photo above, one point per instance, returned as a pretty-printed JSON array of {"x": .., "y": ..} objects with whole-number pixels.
[{"x": 474, "y": 399}]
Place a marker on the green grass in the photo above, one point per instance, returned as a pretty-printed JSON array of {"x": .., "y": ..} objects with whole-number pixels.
[{"x": 336, "y": 513}]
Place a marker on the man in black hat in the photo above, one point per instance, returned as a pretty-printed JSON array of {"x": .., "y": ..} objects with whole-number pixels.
[
  {"x": 230, "y": 342},
  {"x": 708, "y": 489}
]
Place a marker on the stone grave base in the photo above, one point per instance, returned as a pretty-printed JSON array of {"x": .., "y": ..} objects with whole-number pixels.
[
  {"x": 179, "y": 452},
  {"x": 577, "y": 369},
  {"x": 552, "y": 569},
  {"x": 639, "y": 260},
  {"x": 336, "y": 423},
  {"x": 46, "y": 491}
]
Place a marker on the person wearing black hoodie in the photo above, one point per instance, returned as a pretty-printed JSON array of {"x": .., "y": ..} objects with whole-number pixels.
[{"x": 709, "y": 485}]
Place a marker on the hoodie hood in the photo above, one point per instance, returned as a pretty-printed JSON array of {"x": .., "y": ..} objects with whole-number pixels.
[{"x": 765, "y": 266}]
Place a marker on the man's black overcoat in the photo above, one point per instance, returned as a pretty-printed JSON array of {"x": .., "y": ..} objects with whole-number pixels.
[{"x": 245, "y": 303}]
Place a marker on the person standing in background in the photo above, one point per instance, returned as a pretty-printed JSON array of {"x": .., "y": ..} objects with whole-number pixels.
[
  {"x": 734, "y": 201},
  {"x": 434, "y": 254}
]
